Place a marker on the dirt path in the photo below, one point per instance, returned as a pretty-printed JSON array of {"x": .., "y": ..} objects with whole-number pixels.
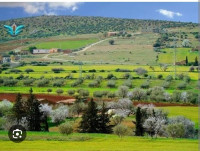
[{"x": 86, "y": 48}]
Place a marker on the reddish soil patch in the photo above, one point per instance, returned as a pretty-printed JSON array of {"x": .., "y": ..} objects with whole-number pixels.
[{"x": 49, "y": 98}]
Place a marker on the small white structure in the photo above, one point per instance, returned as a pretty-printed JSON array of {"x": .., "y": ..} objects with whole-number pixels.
[
  {"x": 6, "y": 60},
  {"x": 40, "y": 51}
]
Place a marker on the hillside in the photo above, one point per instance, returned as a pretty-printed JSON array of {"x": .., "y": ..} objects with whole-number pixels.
[{"x": 44, "y": 26}]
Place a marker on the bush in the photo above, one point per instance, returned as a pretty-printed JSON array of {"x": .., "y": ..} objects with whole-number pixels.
[
  {"x": 59, "y": 91},
  {"x": 10, "y": 82},
  {"x": 111, "y": 95},
  {"x": 127, "y": 76},
  {"x": 176, "y": 96},
  {"x": 121, "y": 130},
  {"x": 58, "y": 83},
  {"x": 83, "y": 92},
  {"x": 57, "y": 70},
  {"x": 180, "y": 76},
  {"x": 160, "y": 76},
  {"x": 77, "y": 82},
  {"x": 166, "y": 84},
  {"x": 42, "y": 82},
  {"x": 128, "y": 83},
  {"x": 175, "y": 130},
  {"x": 49, "y": 90},
  {"x": 157, "y": 94},
  {"x": 187, "y": 79},
  {"x": 111, "y": 84},
  {"x": 110, "y": 76},
  {"x": 100, "y": 94},
  {"x": 5, "y": 107},
  {"x": 140, "y": 71},
  {"x": 29, "y": 70},
  {"x": 145, "y": 85},
  {"x": 122, "y": 70},
  {"x": 169, "y": 78},
  {"x": 66, "y": 128},
  {"x": 93, "y": 70},
  {"x": 28, "y": 82},
  {"x": 71, "y": 92},
  {"x": 191, "y": 69},
  {"x": 137, "y": 94},
  {"x": 58, "y": 115},
  {"x": 188, "y": 125},
  {"x": 94, "y": 83},
  {"x": 182, "y": 85},
  {"x": 15, "y": 70},
  {"x": 122, "y": 91},
  {"x": 111, "y": 42}
]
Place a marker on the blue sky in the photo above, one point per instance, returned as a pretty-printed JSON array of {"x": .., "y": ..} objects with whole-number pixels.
[{"x": 174, "y": 11}]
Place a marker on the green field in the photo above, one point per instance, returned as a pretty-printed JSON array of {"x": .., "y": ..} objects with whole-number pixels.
[
  {"x": 95, "y": 142},
  {"x": 65, "y": 44},
  {"x": 188, "y": 112}
]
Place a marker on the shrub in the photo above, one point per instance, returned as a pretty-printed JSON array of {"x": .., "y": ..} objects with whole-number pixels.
[
  {"x": 122, "y": 70},
  {"x": 187, "y": 79},
  {"x": 100, "y": 94},
  {"x": 111, "y": 84},
  {"x": 160, "y": 76},
  {"x": 94, "y": 83},
  {"x": 28, "y": 82},
  {"x": 122, "y": 91},
  {"x": 46, "y": 109},
  {"x": 145, "y": 85},
  {"x": 49, "y": 90},
  {"x": 157, "y": 94},
  {"x": 29, "y": 70},
  {"x": 166, "y": 84},
  {"x": 15, "y": 70},
  {"x": 58, "y": 115},
  {"x": 111, "y": 42},
  {"x": 127, "y": 76},
  {"x": 180, "y": 76},
  {"x": 66, "y": 128},
  {"x": 110, "y": 76},
  {"x": 169, "y": 78},
  {"x": 83, "y": 92},
  {"x": 111, "y": 95},
  {"x": 176, "y": 96},
  {"x": 121, "y": 130},
  {"x": 191, "y": 69},
  {"x": 182, "y": 85},
  {"x": 140, "y": 71},
  {"x": 175, "y": 130},
  {"x": 92, "y": 70},
  {"x": 42, "y": 82},
  {"x": 128, "y": 83},
  {"x": 57, "y": 70},
  {"x": 77, "y": 82},
  {"x": 188, "y": 125},
  {"x": 137, "y": 94},
  {"x": 59, "y": 91},
  {"x": 10, "y": 82},
  {"x": 71, "y": 92},
  {"x": 5, "y": 107},
  {"x": 58, "y": 83}
]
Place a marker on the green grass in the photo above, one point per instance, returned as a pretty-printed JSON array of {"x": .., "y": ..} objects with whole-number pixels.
[
  {"x": 181, "y": 54},
  {"x": 65, "y": 44},
  {"x": 95, "y": 142},
  {"x": 189, "y": 112}
]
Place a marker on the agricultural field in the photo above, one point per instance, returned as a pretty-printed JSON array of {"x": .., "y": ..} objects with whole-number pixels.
[{"x": 94, "y": 142}]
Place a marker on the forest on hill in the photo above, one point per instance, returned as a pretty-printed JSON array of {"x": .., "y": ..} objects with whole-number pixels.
[{"x": 45, "y": 26}]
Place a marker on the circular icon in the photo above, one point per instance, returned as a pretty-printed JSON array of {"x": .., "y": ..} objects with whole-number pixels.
[{"x": 17, "y": 133}]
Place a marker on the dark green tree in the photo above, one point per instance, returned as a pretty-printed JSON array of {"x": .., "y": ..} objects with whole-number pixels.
[
  {"x": 19, "y": 108},
  {"x": 33, "y": 113},
  {"x": 90, "y": 119},
  {"x": 196, "y": 61},
  {"x": 31, "y": 49},
  {"x": 139, "y": 128},
  {"x": 186, "y": 60},
  {"x": 104, "y": 121}
]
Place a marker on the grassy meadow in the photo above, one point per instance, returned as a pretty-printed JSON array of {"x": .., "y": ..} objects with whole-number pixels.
[{"x": 95, "y": 142}]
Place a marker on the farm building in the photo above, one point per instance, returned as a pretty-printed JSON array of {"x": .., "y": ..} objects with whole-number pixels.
[
  {"x": 40, "y": 51},
  {"x": 6, "y": 59},
  {"x": 111, "y": 34},
  {"x": 54, "y": 50},
  {"x": 67, "y": 51}
]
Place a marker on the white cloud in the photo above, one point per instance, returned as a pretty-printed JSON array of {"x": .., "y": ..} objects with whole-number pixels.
[
  {"x": 43, "y": 8},
  {"x": 168, "y": 13}
]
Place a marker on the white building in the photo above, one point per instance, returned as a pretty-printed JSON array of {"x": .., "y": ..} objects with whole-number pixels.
[{"x": 40, "y": 51}]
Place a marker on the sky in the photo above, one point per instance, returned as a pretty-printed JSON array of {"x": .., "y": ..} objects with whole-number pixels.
[{"x": 173, "y": 11}]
